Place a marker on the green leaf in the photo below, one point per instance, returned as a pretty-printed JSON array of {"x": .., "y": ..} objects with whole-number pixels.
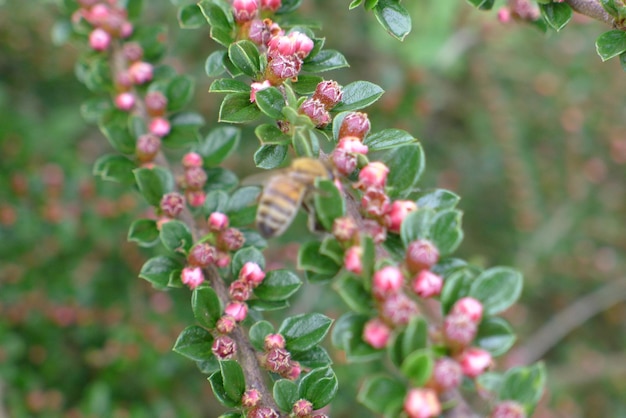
[
  {"x": 306, "y": 84},
  {"x": 437, "y": 199},
  {"x": 223, "y": 37},
  {"x": 95, "y": 108},
  {"x": 288, "y": 6},
  {"x": 114, "y": 127},
  {"x": 319, "y": 386},
  {"x": 285, "y": 394},
  {"x": 418, "y": 367},
  {"x": 326, "y": 60},
  {"x": 557, "y": 15},
  {"x": 209, "y": 366},
  {"x": 610, "y": 44},
  {"x": 368, "y": 259},
  {"x": 116, "y": 168},
  {"x": 388, "y": 138},
  {"x": 303, "y": 331},
  {"x": 313, "y": 358},
  {"x": 245, "y": 255},
  {"x": 206, "y": 306},
  {"x": 456, "y": 286},
  {"x": 233, "y": 379},
  {"x": 497, "y": 288},
  {"x": 220, "y": 179},
  {"x": 270, "y": 135},
  {"x": 309, "y": 258},
  {"x": 216, "y": 15},
  {"x": 271, "y": 102},
  {"x": 245, "y": 55},
  {"x": 153, "y": 183},
  {"x": 378, "y": 392},
  {"x": 194, "y": 342},
  {"x": 302, "y": 142},
  {"x": 482, "y": 4},
  {"x": 258, "y": 332},
  {"x": 191, "y": 17},
  {"x": 332, "y": 248},
  {"x": 157, "y": 270},
  {"x": 445, "y": 231},
  {"x": 217, "y": 385},
  {"x": 179, "y": 92},
  {"x": 416, "y": 225},
  {"x": 216, "y": 201},
  {"x": 270, "y": 156},
  {"x": 241, "y": 208},
  {"x": 176, "y": 236},
  {"x": 214, "y": 64},
  {"x": 354, "y": 4},
  {"x": 524, "y": 385},
  {"x": 133, "y": 8},
  {"x": 406, "y": 164},
  {"x": 144, "y": 232},
  {"x": 232, "y": 415},
  {"x": 495, "y": 335},
  {"x": 393, "y": 17},
  {"x": 352, "y": 292},
  {"x": 347, "y": 335},
  {"x": 415, "y": 336},
  {"x": 490, "y": 382},
  {"x": 394, "y": 348},
  {"x": 218, "y": 145},
  {"x": 152, "y": 39},
  {"x": 237, "y": 108},
  {"x": 278, "y": 285},
  {"x": 358, "y": 95},
  {"x": 329, "y": 203},
  {"x": 265, "y": 305},
  {"x": 184, "y": 132},
  {"x": 229, "y": 85},
  {"x": 370, "y": 4}
]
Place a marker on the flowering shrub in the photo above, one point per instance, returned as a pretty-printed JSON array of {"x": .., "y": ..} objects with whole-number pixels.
[{"x": 385, "y": 243}]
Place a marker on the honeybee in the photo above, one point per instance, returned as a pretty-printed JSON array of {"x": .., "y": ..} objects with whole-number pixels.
[{"x": 285, "y": 191}]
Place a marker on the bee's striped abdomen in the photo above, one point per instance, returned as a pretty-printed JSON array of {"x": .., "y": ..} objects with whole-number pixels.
[{"x": 278, "y": 205}]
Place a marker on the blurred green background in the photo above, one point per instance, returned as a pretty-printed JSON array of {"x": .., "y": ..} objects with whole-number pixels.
[{"x": 528, "y": 128}]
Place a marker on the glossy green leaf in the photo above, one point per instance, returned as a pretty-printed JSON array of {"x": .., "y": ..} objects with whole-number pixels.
[
  {"x": 326, "y": 60},
  {"x": 269, "y": 134},
  {"x": 303, "y": 331},
  {"x": 242, "y": 206},
  {"x": 245, "y": 55},
  {"x": 418, "y": 367},
  {"x": 288, "y": 6},
  {"x": 144, "y": 232},
  {"x": 258, "y": 332},
  {"x": 95, "y": 108},
  {"x": 347, "y": 335},
  {"x": 416, "y": 225},
  {"x": 285, "y": 394},
  {"x": 219, "y": 391},
  {"x": 245, "y": 255},
  {"x": 237, "y": 108},
  {"x": 233, "y": 379},
  {"x": 114, "y": 127},
  {"x": 611, "y": 44},
  {"x": 190, "y": 17},
  {"x": 497, "y": 288},
  {"x": 216, "y": 15},
  {"x": 194, "y": 342},
  {"x": 319, "y": 386},
  {"x": 378, "y": 392},
  {"x": 524, "y": 385},
  {"x": 152, "y": 39},
  {"x": 456, "y": 286},
  {"x": 266, "y": 305},
  {"x": 312, "y": 358},
  {"x": 228, "y": 85},
  {"x": 490, "y": 382},
  {"x": 329, "y": 203},
  {"x": 214, "y": 64},
  {"x": 393, "y": 17},
  {"x": 209, "y": 366},
  {"x": 445, "y": 231},
  {"x": 206, "y": 306},
  {"x": 332, "y": 248},
  {"x": 354, "y": 4},
  {"x": 309, "y": 258},
  {"x": 116, "y": 168},
  {"x": 271, "y": 102},
  {"x": 557, "y": 15},
  {"x": 153, "y": 183},
  {"x": 270, "y": 156},
  {"x": 176, "y": 236},
  {"x": 306, "y": 84},
  {"x": 437, "y": 199},
  {"x": 358, "y": 95},
  {"x": 415, "y": 336},
  {"x": 218, "y": 145},
  {"x": 388, "y": 138},
  {"x": 220, "y": 179},
  {"x": 495, "y": 335},
  {"x": 278, "y": 285},
  {"x": 216, "y": 201},
  {"x": 133, "y": 8},
  {"x": 253, "y": 239},
  {"x": 406, "y": 164},
  {"x": 352, "y": 292},
  {"x": 157, "y": 270}
]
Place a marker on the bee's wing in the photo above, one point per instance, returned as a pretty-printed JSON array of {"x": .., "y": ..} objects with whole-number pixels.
[{"x": 259, "y": 179}]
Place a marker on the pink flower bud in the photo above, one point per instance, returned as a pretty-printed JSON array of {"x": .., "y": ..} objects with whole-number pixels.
[
  {"x": 239, "y": 290},
  {"x": 474, "y": 361},
  {"x": 353, "y": 145},
  {"x": 230, "y": 239},
  {"x": 259, "y": 32},
  {"x": 508, "y": 409},
  {"x": 192, "y": 159},
  {"x": 281, "y": 45},
  {"x": 159, "y": 127},
  {"x": 156, "y": 103},
  {"x": 192, "y": 277},
  {"x": 273, "y": 341},
  {"x": 98, "y": 14},
  {"x": 352, "y": 259},
  {"x": 421, "y": 254},
  {"x": 262, "y": 412},
  {"x": 293, "y": 372},
  {"x": 271, "y": 5},
  {"x": 226, "y": 324},
  {"x": 344, "y": 229},
  {"x": 201, "y": 255},
  {"x": 375, "y": 230},
  {"x": 99, "y": 39},
  {"x": 355, "y": 124},
  {"x": 427, "y": 284},
  {"x": 123, "y": 80},
  {"x": 250, "y": 398},
  {"x": 237, "y": 310},
  {"x": 373, "y": 175},
  {"x": 172, "y": 204},
  {"x": 252, "y": 273},
  {"x": 329, "y": 93},
  {"x": 195, "y": 178},
  {"x": 302, "y": 408},
  {"x": 344, "y": 162},
  {"x": 223, "y": 259},
  {"x": 282, "y": 67},
  {"x": 422, "y": 403},
  {"x": 140, "y": 72},
  {"x": 303, "y": 45},
  {"x": 132, "y": 51},
  {"x": 397, "y": 213},
  {"x": 398, "y": 309},
  {"x": 504, "y": 15},
  {"x": 126, "y": 29},
  {"x": 195, "y": 198},
  {"x": 255, "y": 87},
  {"x": 447, "y": 374},
  {"x": 387, "y": 281},
  {"x": 470, "y": 307},
  {"x": 459, "y": 330},
  {"x": 245, "y": 10},
  {"x": 375, "y": 202},
  {"x": 224, "y": 347},
  {"x": 277, "y": 360},
  {"x": 148, "y": 146},
  {"x": 376, "y": 333},
  {"x": 316, "y": 111},
  {"x": 125, "y": 101},
  {"x": 217, "y": 221}
]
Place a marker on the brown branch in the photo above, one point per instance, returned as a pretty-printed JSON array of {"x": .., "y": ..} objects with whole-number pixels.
[{"x": 594, "y": 10}]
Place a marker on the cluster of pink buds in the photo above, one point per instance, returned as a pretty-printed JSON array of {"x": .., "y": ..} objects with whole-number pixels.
[
  {"x": 277, "y": 359},
  {"x": 194, "y": 178},
  {"x": 524, "y": 10},
  {"x": 285, "y": 54},
  {"x": 354, "y": 127},
  {"x": 109, "y": 21},
  {"x": 226, "y": 239},
  {"x": 508, "y": 409},
  {"x": 327, "y": 95},
  {"x": 250, "y": 276},
  {"x": 422, "y": 403}
]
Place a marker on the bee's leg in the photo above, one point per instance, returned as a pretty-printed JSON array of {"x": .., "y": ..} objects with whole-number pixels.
[{"x": 312, "y": 222}]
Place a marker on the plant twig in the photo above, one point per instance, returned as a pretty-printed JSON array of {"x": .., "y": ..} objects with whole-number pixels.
[{"x": 594, "y": 10}]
